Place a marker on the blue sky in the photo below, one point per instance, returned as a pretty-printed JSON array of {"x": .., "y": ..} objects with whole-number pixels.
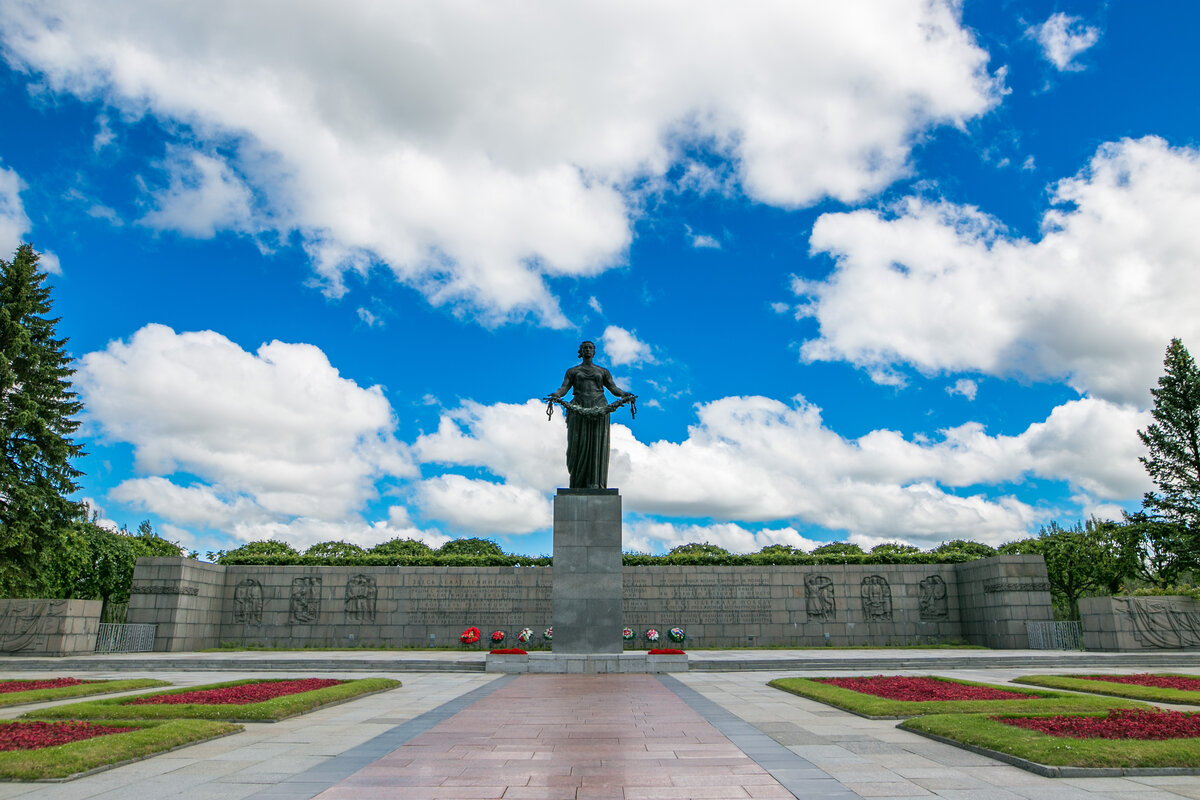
[{"x": 887, "y": 270}]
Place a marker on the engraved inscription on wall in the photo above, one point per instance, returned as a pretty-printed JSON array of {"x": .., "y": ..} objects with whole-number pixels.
[{"x": 434, "y": 605}]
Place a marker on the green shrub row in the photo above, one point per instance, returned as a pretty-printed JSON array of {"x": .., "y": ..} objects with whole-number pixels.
[{"x": 628, "y": 559}]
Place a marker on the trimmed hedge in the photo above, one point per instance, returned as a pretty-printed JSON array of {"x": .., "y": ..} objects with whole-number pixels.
[{"x": 628, "y": 559}]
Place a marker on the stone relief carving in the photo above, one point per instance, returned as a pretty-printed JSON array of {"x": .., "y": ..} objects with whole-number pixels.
[
  {"x": 876, "y": 598},
  {"x": 305, "y": 605},
  {"x": 25, "y": 624},
  {"x": 360, "y": 598},
  {"x": 818, "y": 597},
  {"x": 248, "y": 602},
  {"x": 933, "y": 598},
  {"x": 1160, "y": 622}
]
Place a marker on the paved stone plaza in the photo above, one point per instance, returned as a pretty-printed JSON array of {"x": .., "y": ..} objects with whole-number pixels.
[{"x": 712, "y": 734}]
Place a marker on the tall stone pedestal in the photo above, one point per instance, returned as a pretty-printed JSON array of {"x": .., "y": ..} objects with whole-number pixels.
[{"x": 587, "y": 571}]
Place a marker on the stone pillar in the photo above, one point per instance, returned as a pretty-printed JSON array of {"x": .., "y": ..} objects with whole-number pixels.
[{"x": 587, "y": 571}]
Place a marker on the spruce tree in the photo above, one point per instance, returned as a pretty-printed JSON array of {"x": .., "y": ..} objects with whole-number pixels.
[
  {"x": 37, "y": 410},
  {"x": 1173, "y": 441}
]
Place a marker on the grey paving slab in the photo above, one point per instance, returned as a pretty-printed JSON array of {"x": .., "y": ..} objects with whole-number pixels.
[
  {"x": 318, "y": 778},
  {"x": 798, "y": 775}
]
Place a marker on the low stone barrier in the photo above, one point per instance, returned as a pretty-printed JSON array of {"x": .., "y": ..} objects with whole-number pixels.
[
  {"x": 48, "y": 627},
  {"x": 1140, "y": 623}
]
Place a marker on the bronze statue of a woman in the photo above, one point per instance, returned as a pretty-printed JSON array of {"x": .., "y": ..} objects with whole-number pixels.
[{"x": 587, "y": 418}]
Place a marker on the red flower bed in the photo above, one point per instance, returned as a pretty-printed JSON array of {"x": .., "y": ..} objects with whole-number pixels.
[
  {"x": 921, "y": 689},
  {"x": 241, "y": 695},
  {"x": 29, "y": 686},
  {"x": 1119, "y": 724},
  {"x": 665, "y": 651},
  {"x": 509, "y": 651},
  {"x": 1157, "y": 681},
  {"x": 35, "y": 735}
]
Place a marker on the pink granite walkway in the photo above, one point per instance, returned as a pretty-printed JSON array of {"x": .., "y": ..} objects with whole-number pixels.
[{"x": 565, "y": 736}]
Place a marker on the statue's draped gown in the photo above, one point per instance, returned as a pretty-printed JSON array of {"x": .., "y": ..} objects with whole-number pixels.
[{"x": 587, "y": 435}]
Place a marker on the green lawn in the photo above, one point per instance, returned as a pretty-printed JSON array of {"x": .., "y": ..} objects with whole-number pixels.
[
  {"x": 75, "y": 758},
  {"x": 82, "y": 690},
  {"x": 868, "y": 705},
  {"x": 267, "y": 711},
  {"x": 1150, "y": 694},
  {"x": 1060, "y": 751}
]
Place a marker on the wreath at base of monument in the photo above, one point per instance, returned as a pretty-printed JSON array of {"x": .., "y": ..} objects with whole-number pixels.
[{"x": 469, "y": 636}]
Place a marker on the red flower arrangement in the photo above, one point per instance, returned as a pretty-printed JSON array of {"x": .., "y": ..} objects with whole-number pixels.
[
  {"x": 921, "y": 689},
  {"x": 1120, "y": 723},
  {"x": 1184, "y": 683},
  {"x": 240, "y": 695},
  {"x": 665, "y": 651},
  {"x": 497, "y": 636},
  {"x": 36, "y": 735},
  {"x": 509, "y": 651},
  {"x": 469, "y": 636},
  {"x": 29, "y": 686}
]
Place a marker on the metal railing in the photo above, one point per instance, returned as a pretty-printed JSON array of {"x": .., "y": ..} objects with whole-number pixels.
[
  {"x": 113, "y": 638},
  {"x": 1054, "y": 635}
]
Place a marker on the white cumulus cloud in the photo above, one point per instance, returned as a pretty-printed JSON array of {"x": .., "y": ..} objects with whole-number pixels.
[
  {"x": 965, "y": 387},
  {"x": 14, "y": 223},
  {"x": 754, "y": 459},
  {"x": 945, "y": 288},
  {"x": 1062, "y": 38},
  {"x": 477, "y": 150},
  {"x": 484, "y": 507},
  {"x": 645, "y": 536},
  {"x": 622, "y": 347},
  {"x": 276, "y": 442},
  {"x": 204, "y": 196}
]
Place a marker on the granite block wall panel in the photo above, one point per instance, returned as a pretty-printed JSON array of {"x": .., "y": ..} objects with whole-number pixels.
[
  {"x": 49, "y": 627},
  {"x": 1140, "y": 623},
  {"x": 182, "y": 597},
  {"x": 997, "y": 596},
  {"x": 201, "y": 605}
]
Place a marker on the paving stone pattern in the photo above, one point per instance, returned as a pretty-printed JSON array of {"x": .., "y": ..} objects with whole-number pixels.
[
  {"x": 750, "y": 723},
  {"x": 582, "y": 737}
]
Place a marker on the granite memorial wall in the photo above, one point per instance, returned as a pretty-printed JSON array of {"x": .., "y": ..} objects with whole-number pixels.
[
  {"x": 197, "y": 605},
  {"x": 1170, "y": 622},
  {"x": 48, "y": 627}
]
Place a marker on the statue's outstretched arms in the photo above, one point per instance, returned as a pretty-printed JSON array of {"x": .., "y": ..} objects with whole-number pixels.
[
  {"x": 611, "y": 385},
  {"x": 562, "y": 390}
]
